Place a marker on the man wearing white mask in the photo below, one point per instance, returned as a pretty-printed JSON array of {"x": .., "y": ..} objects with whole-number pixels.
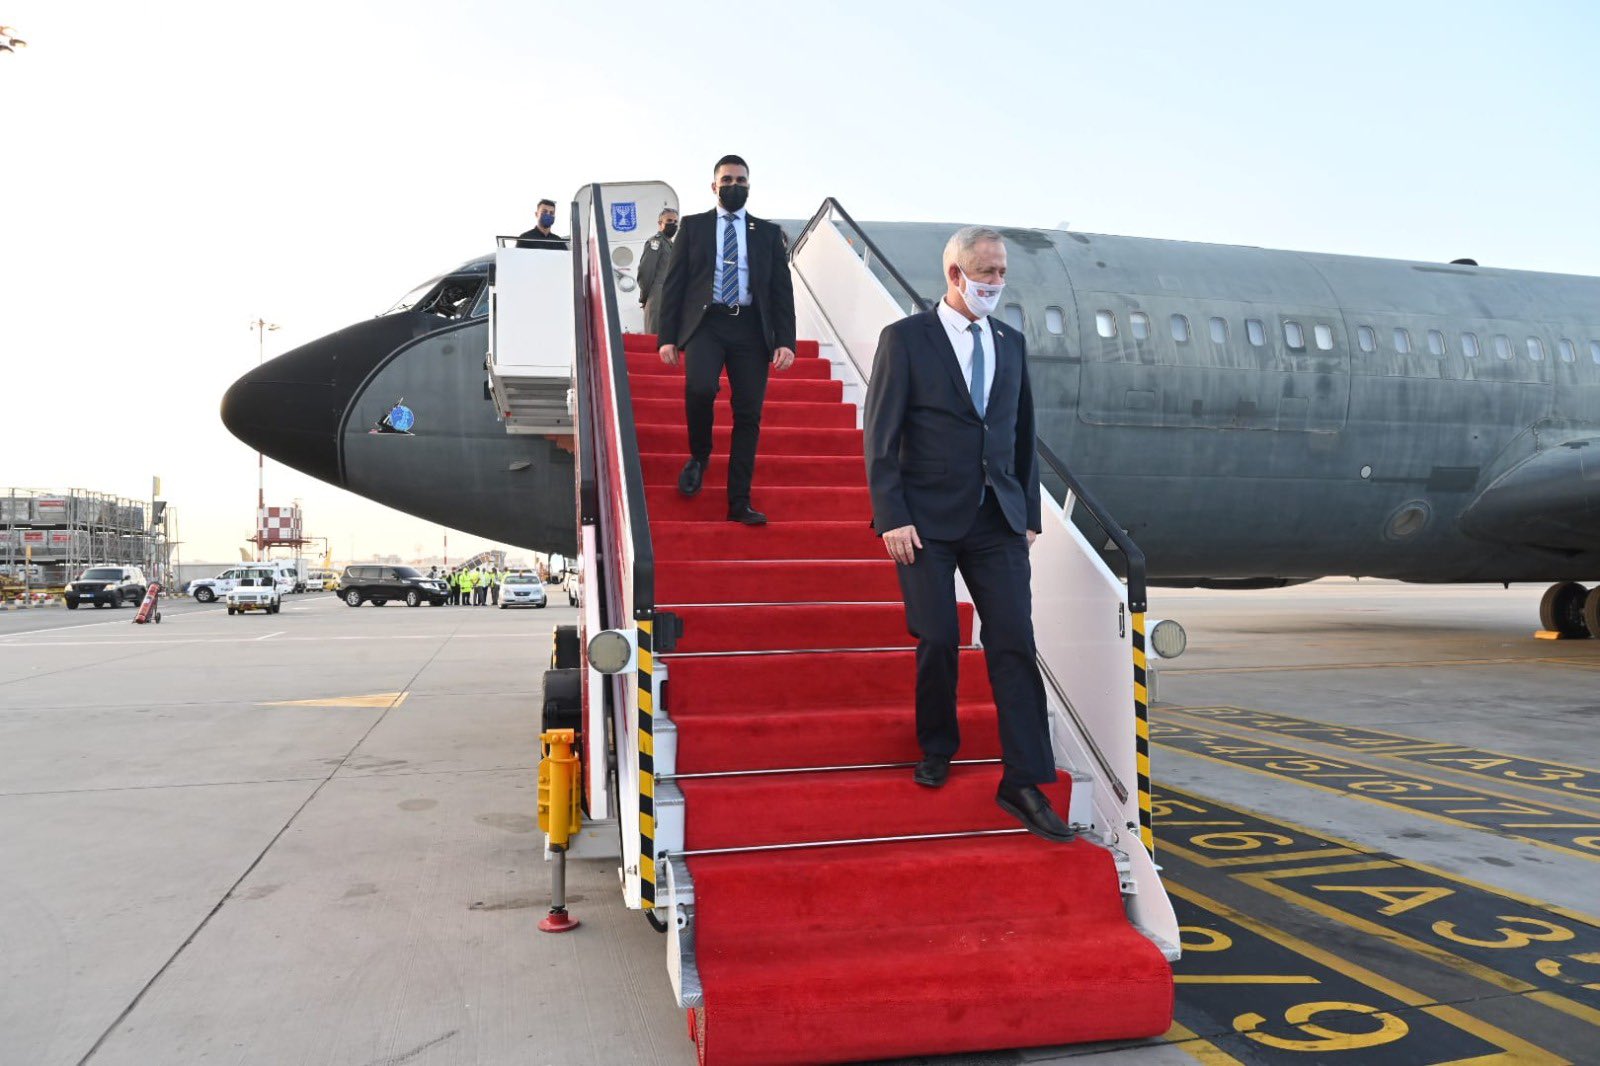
[{"x": 955, "y": 485}]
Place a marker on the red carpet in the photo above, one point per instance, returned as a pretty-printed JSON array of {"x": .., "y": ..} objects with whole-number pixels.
[{"x": 795, "y": 656}]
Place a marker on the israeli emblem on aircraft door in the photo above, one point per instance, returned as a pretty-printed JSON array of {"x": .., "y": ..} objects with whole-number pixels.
[{"x": 625, "y": 217}]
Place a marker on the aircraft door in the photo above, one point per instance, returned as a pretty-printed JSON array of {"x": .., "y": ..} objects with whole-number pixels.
[{"x": 631, "y": 209}]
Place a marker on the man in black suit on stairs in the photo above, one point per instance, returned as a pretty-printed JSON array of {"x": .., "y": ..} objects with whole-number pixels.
[
  {"x": 728, "y": 303},
  {"x": 955, "y": 485}
]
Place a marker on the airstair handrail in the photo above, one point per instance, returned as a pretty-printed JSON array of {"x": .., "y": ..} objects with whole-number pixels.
[
  {"x": 830, "y": 205},
  {"x": 1137, "y": 587}
]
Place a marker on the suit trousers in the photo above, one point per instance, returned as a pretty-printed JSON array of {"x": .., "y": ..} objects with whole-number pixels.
[
  {"x": 737, "y": 343},
  {"x": 994, "y": 562}
]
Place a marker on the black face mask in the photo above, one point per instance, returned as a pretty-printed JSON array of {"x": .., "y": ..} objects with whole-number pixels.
[
  {"x": 732, "y": 197},
  {"x": 670, "y": 230}
]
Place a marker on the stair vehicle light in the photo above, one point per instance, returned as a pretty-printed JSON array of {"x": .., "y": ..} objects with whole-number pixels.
[
  {"x": 1168, "y": 639},
  {"x": 611, "y": 651}
]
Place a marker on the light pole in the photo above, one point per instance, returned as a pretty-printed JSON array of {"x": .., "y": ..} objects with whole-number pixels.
[{"x": 262, "y": 328}]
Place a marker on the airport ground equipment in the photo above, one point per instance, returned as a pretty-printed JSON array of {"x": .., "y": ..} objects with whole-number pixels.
[
  {"x": 150, "y": 609},
  {"x": 560, "y": 817},
  {"x": 819, "y": 906}
]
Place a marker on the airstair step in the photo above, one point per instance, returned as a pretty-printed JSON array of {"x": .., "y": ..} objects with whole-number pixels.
[
  {"x": 780, "y": 503},
  {"x": 801, "y": 626},
  {"x": 662, "y": 467},
  {"x": 775, "y": 440},
  {"x": 772, "y": 581},
  {"x": 763, "y": 739},
  {"x": 787, "y": 540},
  {"x": 779, "y": 388},
  {"x": 741, "y": 812},
  {"x": 646, "y": 364},
  {"x": 990, "y": 942},
  {"x": 728, "y": 684},
  {"x": 669, "y": 411},
  {"x": 649, "y": 342}
]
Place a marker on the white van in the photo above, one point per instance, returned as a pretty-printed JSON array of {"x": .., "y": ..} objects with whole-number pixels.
[{"x": 209, "y": 589}]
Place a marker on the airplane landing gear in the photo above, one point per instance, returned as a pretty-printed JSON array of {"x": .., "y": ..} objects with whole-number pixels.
[{"x": 1571, "y": 610}]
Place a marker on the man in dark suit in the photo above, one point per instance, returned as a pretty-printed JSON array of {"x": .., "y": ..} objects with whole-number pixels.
[
  {"x": 728, "y": 303},
  {"x": 540, "y": 236},
  {"x": 955, "y": 485},
  {"x": 653, "y": 268}
]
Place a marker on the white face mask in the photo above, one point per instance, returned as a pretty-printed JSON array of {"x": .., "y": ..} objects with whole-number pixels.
[{"x": 981, "y": 297}]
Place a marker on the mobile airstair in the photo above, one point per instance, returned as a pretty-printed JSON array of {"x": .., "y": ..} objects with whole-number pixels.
[{"x": 819, "y": 906}]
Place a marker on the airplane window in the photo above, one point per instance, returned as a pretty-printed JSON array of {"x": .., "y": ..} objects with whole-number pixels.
[
  {"x": 1180, "y": 328},
  {"x": 1219, "y": 330},
  {"x": 481, "y": 306},
  {"x": 1594, "y": 351},
  {"x": 1055, "y": 320},
  {"x": 1105, "y": 323},
  {"x": 1502, "y": 346},
  {"x": 1435, "y": 342},
  {"x": 1294, "y": 335},
  {"x": 1469, "y": 345},
  {"x": 1402, "y": 341},
  {"x": 1536, "y": 349},
  {"x": 1139, "y": 323},
  {"x": 1324, "y": 335},
  {"x": 1368, "y": 338},
  {"x": 1013, "y": 315},
  {"x": 1254, "y": 330},
  {"x": 1568, "y": 352}
]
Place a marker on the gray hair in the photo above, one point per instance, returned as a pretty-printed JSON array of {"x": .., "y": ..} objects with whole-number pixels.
[
  {"x": 665, "y": 211},
  {"x": 958, "y": 249}
]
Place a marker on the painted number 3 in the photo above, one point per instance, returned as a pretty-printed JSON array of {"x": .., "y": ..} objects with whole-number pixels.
[{"x": 1320, "y": 1037}]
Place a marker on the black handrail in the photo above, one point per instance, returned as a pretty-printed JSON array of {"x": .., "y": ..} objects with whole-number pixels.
[
  {"x": 1137, "y": 584},
  {"x": 588, "y": 486},
  {"x": 816, "y": 220},
  {"x": 644, "y": 558}
]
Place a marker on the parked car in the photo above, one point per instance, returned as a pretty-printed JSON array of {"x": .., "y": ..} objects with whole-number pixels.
[
  {"x": 322, "y": 581},
  {"x": 256, "y": 590},
  {"x": 107, "y": 586},
  {"x": 380, "y": 584},
  {"x": 523, "y": 589},
  {"x": 574, "y": 585},
  {"x": 209, "y": 589}
]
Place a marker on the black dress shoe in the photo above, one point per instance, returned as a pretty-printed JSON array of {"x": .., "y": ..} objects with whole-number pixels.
[
  {"x": 746, "y": 515},
  {"x": 932, "y": 771},
  {"x": 694, "y": 472},
  {"x": 1029, "y": 806}
]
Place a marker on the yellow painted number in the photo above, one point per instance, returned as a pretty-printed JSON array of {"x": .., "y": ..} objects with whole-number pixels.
[
  {"x": 1210, "y": 939},
  {"x": 1322, "y": 1038},
  {"x": 1552, "y": 968},
  {"x": 1164, "y": 808},
  {"x": 1239, "y": 841},
  {"x": 1510, "y": 935}
]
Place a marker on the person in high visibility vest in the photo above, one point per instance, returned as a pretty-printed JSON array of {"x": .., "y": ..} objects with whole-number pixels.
[
  {"x": 480, "y": 586},
  {"x": 454, "y": 579},
  {"x": 495, "y": 577}
]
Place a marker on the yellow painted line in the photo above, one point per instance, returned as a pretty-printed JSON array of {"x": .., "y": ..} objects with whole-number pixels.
[
  {"x": 1254, "y": 860},
  {"x": 376, "y": 699},
  {"x": 1244, "y": 979},
  {"x": 1196, "y": 1047},
  {"x": 1331, "y": 868},
  {"x": 1521, "y": 1051}
]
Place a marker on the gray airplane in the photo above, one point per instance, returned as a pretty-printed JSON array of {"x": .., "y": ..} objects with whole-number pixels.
[{"x": 1254, "y": 418}]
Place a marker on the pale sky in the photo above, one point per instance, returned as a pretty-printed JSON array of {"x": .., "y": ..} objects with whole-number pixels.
[{"x": 170, "y": 171}]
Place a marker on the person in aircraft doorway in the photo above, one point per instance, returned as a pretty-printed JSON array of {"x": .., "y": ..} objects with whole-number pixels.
[
  {"x": 950, "y": 452},
  {"x": 540, "y": 236},
  {"x": 653, "y": 268},
  {"x": 728, "y": 303}
]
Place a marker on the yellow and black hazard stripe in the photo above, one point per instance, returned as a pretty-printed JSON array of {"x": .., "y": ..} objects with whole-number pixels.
[
  {"x": 647, "y": 766},
  {"x": 1141, "y": 725}
]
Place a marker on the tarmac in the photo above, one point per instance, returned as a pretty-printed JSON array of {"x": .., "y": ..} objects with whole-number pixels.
[{"x": 310, "y": 838}]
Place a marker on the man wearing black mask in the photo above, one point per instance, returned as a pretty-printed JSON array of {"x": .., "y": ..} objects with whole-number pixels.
[
  {"x": 728, "y": 303},
  {"x": 653, "y": 268},
  {"x": 540, "y": 236}
]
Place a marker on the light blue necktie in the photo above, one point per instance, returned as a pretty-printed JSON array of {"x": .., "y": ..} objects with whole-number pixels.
[
  {"x": 728, "y": 288},
  {"x": 979, "y": 370}
]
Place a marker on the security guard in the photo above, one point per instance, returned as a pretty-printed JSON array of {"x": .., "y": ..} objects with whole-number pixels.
[{"x": 653, "y": 267}]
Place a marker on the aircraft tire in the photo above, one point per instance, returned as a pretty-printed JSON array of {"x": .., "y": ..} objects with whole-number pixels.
[
  {"x": 1591, "y": 610},
  {"x": 1563, "y": 609}
]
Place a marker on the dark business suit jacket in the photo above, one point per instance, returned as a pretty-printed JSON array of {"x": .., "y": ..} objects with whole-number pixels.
[
  {"x": 690, "y": 278},
  {"x": 928, "y": 452}
]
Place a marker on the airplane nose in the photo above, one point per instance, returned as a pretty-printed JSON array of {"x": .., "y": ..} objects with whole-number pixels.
[{"x": 292, "y": 408}]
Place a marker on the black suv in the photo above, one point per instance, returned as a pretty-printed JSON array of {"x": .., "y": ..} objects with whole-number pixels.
[
  {"x": 380, "y": 584},
  {"x": 107, "y": 586}
]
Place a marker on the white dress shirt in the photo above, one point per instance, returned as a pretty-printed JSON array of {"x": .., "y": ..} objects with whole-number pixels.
[
  {"x": 741, "y": 228},
  {"x": 961, "y": 337}
]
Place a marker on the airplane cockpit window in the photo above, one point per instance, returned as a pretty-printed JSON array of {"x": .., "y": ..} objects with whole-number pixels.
[
  {"x": 1536, "y": 349},
  {"x": 1294, "y": 335},
  {"x": 1219, "y": 331},
  {"x": 1055, "y": 320},
  {"x": 1256, "y": 332},
  {"x": 412, "y": 298},
  {"x": 1105, "y": 324},
  {"x": 1435, "y": 343},
  {"x": 1367, "y": 338},
  {"x": 1469, "y": 345},
  {"x": 453, "y": 299},
  {"x": 480, "y": 306},
  {"x": 1502, "y": 346},
  {"x": 1180, "y": 328},
  {"x": 1139, "y": 325},
  {"x": 1568, "y": 352},
  {"x": 1402, "y": 340},
  {"x": 1324, "y": 336}
]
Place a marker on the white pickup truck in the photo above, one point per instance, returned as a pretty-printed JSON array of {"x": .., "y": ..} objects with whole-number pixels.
[{"x": 210, "y": 589}]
